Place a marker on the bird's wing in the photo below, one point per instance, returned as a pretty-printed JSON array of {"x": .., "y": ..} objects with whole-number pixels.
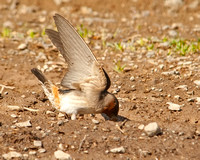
[{"x": 83, "y": 67}]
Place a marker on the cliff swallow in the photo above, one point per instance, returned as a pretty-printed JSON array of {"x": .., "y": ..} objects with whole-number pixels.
[{"x": 86, "y": 80}]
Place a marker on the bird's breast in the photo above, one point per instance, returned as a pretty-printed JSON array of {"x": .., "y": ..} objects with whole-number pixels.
[{"x": 72, "y": 103}]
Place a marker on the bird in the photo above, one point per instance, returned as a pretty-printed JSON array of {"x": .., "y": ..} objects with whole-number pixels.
[{"x": 86, "y": 82}]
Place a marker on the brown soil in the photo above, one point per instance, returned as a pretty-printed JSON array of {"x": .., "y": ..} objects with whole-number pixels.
[{"x": 142, "y": 101}]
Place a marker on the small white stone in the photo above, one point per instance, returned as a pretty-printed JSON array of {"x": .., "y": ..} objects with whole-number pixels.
[
  {"x": 24, "y": 124},
  {"x": 22, "y": 46},
  {"x": 132, "y": 78},
  {"x": 197, "y": 82},
  {"x": 183, "y": 87},
  {"x": 32, "y": 152},
  {"x": 198, "y": 100},
  {"x": 41, "y": 150},
  {"x": 13, "y": 108},
  {"x": 60, "y": 146},
  {"x": 11, "y": 155},
  {"x": 13, "y": 115},
  {"x": 37, "y": 143},
  {"x": 174, "y": 107},
  {"x": 141, "y": 127},
  {"x": 38, "y": 128},
  {"x": 61, "y": 115},
  {"x": 62, "y": 155},
  {"x": 118, "y": 150},
  {"x": 152, "y": 129},
  {"x": 95, "y": 121}
]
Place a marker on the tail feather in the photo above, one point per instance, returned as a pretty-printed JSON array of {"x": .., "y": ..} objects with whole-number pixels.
[
  {"x": 39, "y": 75},
  {"x": 50, "y": 90}
]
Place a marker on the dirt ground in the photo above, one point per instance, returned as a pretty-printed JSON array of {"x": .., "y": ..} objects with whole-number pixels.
[{"x": 133, "y": 40}]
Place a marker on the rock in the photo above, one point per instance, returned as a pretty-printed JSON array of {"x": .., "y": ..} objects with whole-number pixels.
[
  {"x": 62, "y": 155},
  {"x": 118, "y": 150},
  {"x": 152, "y": 129},
  {"x": 86, "y": 10},
  {"x": 174, "y": 107},
  {"x": 32, "y": 152},
  {"x": 61, "y": 115},
  {"x": 194, "y": 4},
  {"x": 22, "y": 46},
  {"x": 8, "y": 24},
  {"x": 150, "y": 54},
  {"x": 13, "y": 115},
  {"x": 172, "y": 33},
  {"x": 197, "y": 82},
  {"x": 198, "y": 100},
  {"x": 13, "y": 108},
  {"x": 24, "y": 124},
  {"x": 95, "y": 121},
  {"x": 141, "y": 127},
  {"x": 174, "y": 4},
  {"x": 132, "y": 78},
  {"x": 164, "y": 45},
  {"x": 183, "y": 87},
  {"x": 41, "y": 150},
  {"x": 37, "y": 143},
  {"x": 11, "y": 155}
]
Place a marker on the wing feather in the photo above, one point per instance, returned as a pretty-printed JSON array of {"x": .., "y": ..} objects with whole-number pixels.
[{"x": 83, "y": 68}]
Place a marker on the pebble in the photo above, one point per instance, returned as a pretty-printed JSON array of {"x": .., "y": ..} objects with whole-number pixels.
[
  {"x": 38, "y": 128},
  {"x": 150, "y": 54},
  {"x": 11, "y": 155},
  {"x": 183, "y": 87},
  {"x": 172, "y": 33},
  {"x": 152, "y": 129},
  {"x": 62, "y": 155},
  {"x": 8, "y": 24},
  {"x": 22, "y": 46},
  {"x": 118, "y": 150},
  {"x": 197, "y": 82},
  {"x": 174, "y": 107},
  {"x": 198, "y": 100},
  {"x": 95, "y": 121},
  {"x": 141, "y": 127},
  {"x": 132, "y": 78},
  {"x": 24, "y": 124},
  {"x": 194, "y": 4},
  {"x": 13, "y": 115},
  {"x": 164, "y": 44},
  {"x": 61, "y": 115},
  {"x": 37, "y": 143},
  {"x": 32, "y": 152},
  {"x": 13, "y": 108},
  {"x": 41, "y": 150}
]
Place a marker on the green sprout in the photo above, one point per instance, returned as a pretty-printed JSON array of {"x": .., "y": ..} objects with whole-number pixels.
[
  {"x": 84, "y": 32},
  {"x": 118, "y": 46},
  {"x": 6, "y": 32},
  {"x": 118, "y": 67},
  {"x": 31, "y": 33},
  {"x": 150, "y": 47},
  {"x": 43, "y": 32}
]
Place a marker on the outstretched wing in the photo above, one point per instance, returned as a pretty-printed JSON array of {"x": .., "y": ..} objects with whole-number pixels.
[{"x": 83, "y": 67}]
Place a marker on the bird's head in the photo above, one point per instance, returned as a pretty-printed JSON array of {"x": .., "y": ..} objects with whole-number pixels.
[{"x": 111, "y": 109}]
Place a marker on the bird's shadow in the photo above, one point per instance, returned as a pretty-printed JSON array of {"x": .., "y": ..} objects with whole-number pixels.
[{"x": 116, "y": 119}]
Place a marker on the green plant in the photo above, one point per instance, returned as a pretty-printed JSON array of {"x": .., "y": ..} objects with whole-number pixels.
[
  {"x": 43, "y": 32},
  {"x": 118, "y": 46},
  {"x": 6, "y": 32},
  {"x": 84, "y": 32},
  {"x": 118, "y": 67}
]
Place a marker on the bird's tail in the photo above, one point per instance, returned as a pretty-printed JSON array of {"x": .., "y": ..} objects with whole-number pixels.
[{"x": 49, "y": 88}]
